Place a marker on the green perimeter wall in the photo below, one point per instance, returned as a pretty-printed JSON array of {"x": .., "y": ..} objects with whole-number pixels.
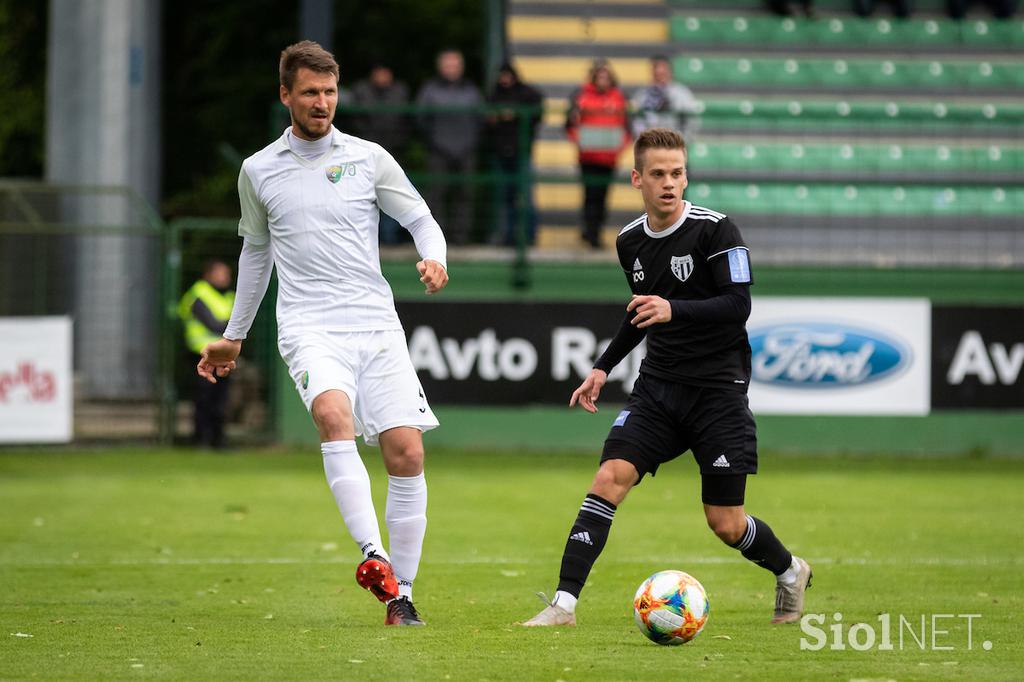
[{"x": 552, "y": 427}]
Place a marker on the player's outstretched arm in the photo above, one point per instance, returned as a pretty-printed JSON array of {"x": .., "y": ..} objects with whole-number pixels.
[
  {"x": 218, "y": 359},
  {"x": 589, "y": 391},
  {"x": 433, "y": 275}
]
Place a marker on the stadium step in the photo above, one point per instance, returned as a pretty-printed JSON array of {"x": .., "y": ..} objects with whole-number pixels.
[
  {"x": 838, "y": 114},
  {"x": 904, "y": 76},
  {"x": 824, "y": 198},
  {"x": 762, "y": 73},
  {"x": 631, "y": 72},
  {"x": 937, "y": 7},
  {"x": 762, "y": 31},
  {"x": 581, "y": 29},
  {"x": 554, "y": 43},
  {"x": 753, "y": 156}
]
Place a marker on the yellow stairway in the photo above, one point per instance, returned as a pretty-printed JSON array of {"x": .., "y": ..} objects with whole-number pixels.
[{"x": 552, "y": 43}]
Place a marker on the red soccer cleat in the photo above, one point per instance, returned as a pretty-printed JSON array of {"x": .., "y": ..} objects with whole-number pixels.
[{"x": 375, "y": 574}]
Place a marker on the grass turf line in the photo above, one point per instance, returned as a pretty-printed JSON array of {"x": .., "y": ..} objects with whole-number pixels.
[{"x": 175, "y": 565}]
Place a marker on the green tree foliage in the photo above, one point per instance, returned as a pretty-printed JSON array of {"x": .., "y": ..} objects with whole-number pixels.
[
  {"x": 23, "y": 84},
  {"x": 220, "y": 77},
  {"x": 368, "y": 32},
  {"x": 219, "y": 84}
]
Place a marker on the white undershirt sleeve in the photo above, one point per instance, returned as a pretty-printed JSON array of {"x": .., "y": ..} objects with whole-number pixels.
[
  {"x": 255, "y": 264},
  {"x": 429, "y": 239}
]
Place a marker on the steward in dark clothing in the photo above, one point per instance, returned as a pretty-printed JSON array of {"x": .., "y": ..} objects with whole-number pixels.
[
  {"x": 504, "y": 133},
  {"x": 387, "y": 127},
  {"x": 452, "y": 138}
]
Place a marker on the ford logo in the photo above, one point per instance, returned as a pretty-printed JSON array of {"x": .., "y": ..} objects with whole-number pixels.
[{"x": 823, "y": 355}]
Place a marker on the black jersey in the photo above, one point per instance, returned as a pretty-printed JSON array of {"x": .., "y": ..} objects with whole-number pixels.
[{"x": 700, "y": 257}]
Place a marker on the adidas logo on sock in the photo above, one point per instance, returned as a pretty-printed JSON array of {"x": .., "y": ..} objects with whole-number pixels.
[
  {"x": 582, "y": 536},
  {"x": 637, "y": 266},
  {"x": 721, "y": 462}
]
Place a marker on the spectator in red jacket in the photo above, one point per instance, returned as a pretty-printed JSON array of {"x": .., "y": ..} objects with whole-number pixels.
[{"x": 598, "y": 123}]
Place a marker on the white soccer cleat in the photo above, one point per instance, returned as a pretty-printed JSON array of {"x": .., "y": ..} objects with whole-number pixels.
[
  {"x": 789, "y": 599},
  {"x": 551, "y": 615}
]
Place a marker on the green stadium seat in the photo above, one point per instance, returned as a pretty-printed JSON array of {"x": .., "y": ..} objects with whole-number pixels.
[
  {"x": 815, "y": 156},
  {"x": 793, "y": 115},
  {"x": 852, "y": 200},
  {"x": 896, "y": 75},
  {"x": 754, "y": 30}
]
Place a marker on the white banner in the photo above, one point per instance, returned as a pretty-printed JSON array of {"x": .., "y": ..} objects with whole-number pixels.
[
  {"x": 35, "y": 380},
  {"x": 856, "y": 356}
]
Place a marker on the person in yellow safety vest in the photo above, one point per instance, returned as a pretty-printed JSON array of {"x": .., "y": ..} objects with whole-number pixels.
[{"x": 205, "y": 310}]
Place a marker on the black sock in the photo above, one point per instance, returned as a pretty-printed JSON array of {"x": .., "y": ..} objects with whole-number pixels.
[
  {"x": 760, "y": 545},
  {"x": 586, "y": 540}
]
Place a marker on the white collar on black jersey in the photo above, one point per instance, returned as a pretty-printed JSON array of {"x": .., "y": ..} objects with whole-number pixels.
[{"x": 671, "y": 228}]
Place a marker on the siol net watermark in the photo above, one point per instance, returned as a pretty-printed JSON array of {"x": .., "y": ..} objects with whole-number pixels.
[{"x": 923, "y": 632}]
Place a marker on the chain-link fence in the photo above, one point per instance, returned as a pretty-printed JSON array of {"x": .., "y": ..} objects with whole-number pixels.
[
  {"x": 91, "y": 254},
  {"x": 101, "y": 257}
]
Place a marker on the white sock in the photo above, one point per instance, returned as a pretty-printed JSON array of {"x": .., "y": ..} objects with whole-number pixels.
[
  {"x": 788, "y": 577},
  {"x": 350, "y": 483},
  {"x": 406, "y": 517},
  {"x": 564, "y": 600}
]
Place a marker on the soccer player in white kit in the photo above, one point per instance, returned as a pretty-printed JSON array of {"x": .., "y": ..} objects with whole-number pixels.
[{"x": 309, "y": 205}]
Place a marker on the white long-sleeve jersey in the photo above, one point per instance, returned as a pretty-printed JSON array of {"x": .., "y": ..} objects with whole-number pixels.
[{"x": 317, "y": 220}]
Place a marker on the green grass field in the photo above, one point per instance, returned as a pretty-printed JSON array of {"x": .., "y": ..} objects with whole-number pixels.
[{"x": 182, "y": 565}]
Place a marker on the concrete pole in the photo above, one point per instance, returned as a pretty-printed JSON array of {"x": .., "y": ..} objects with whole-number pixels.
[
  {"x": 103, "y": 128},
  {"x": 316, "y": 22}
]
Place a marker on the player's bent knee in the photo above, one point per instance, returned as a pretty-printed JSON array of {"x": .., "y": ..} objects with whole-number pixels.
[
  {"x": 613, "y": 480},
  {"x": 333, "y": 421},
  {"x": 402, "y": 451},
  {"x": 408, "y": 453},
  {"x": 728, "y": 529}
]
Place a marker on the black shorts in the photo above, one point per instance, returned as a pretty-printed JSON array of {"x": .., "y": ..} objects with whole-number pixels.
[{"x": 664, "y": 419}]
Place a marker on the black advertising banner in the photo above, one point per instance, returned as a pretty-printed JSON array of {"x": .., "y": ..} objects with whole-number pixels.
[
  {"x": 513, "y": 353},
  {"x": 978, "y": 357}
]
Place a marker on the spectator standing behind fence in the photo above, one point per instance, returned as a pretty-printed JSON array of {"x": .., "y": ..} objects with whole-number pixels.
[
  {"x": 385, "y": 123},
  {"x": 504, "y": 131},
  {"x": 598, "y": 123},
  {"x": 665, "y": 103},
  {"x": 204, "y": 311},
  {"x": 452, "y": 138}
]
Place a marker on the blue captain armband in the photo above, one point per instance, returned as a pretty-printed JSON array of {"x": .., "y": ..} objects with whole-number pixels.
[{"x": 739, "y": 265}]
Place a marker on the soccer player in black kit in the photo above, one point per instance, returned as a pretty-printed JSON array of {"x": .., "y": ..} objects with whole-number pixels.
[{"x": 689, "y": 271}]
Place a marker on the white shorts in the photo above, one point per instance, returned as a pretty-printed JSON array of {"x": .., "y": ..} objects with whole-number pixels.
[{"x": 372, "y": 368}]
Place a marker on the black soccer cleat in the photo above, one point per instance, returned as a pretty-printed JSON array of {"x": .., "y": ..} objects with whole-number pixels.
[{"x": 402, "y": 612}]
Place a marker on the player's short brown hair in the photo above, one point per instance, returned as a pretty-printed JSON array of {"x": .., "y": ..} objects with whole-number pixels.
[
  {"x": 656, "y": 138},
  {"x": 308, "y": 55}
]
